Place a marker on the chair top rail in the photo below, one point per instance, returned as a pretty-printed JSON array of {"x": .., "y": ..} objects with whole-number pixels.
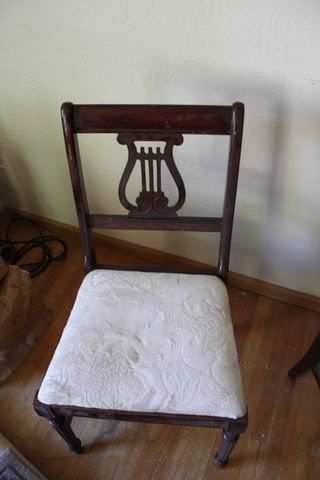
[{"x": 197, "y": 119}]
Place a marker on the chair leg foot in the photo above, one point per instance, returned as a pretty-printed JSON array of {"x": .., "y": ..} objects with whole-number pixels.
[
  {"x": 293, "y": 373},
  {"x": 62, "y": 425},
  {"x": 60, "y": 422},
  {"x": 227, "y": 444},
  {"x": 309, "y": 360}
]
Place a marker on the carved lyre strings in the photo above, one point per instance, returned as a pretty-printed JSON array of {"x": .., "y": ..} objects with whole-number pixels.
[{"x": 151, "y": 201}]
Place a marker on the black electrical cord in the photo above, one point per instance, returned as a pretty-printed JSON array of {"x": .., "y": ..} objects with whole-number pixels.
[{"x": 41, "y": 242}]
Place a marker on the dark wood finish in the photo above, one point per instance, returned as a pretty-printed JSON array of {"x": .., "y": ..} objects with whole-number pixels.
[
  {"x": 228, "y": 442},
  {"x": 60, "y": 417},
  {"x": 228, "y": 424},
  {"x": 150, "y": 122},
  {"x": 310, "y": 360},
  {"x": 231, "y": 189},
  {"x": 78, "y": 186},
  {"x": 61, "y": 423},
  {"x": 152, "y": 118},
  {"x": 152, "y": 211},
  {"x": 122, "y": 222},
  {"x": 164, "y": 268},
  {"x": 151, "y": 201}
]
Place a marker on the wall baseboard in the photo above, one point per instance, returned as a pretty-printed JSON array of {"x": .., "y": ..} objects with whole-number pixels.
[{"x": 277, "y": 292}]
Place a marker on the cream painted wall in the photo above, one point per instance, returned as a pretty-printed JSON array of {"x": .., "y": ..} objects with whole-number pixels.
[{"x": 265, "y": 54}]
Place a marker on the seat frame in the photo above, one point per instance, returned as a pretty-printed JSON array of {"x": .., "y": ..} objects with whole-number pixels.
[{"x": 151, "y": 212}]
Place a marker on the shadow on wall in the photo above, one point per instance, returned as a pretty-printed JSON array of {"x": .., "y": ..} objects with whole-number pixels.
[
  {"x": 12, "y": 157},
  {"x": 34, "y": 155},
  {"x": 262, "y": 170},
  {"x": 276, "y": 230}
]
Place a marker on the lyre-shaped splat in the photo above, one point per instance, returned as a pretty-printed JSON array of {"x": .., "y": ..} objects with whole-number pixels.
[{"x": 151, "y": 201}]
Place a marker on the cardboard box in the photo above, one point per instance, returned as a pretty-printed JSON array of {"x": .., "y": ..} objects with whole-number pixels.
[
  {"x": 23, "y": 318},
  {"x": 3, "y": 268}
]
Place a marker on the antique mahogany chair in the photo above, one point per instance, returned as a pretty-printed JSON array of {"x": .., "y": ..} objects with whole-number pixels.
[{"x": 149, "y": 344}]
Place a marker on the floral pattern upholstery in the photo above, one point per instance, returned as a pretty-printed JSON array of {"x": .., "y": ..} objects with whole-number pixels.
[{"x": 148, "y": 342}]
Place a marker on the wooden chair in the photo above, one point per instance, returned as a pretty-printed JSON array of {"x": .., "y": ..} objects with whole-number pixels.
[{"x": 157, "y": 344}]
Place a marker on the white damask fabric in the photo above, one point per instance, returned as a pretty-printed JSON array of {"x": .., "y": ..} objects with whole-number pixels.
[{"x": 148, "y": 342}]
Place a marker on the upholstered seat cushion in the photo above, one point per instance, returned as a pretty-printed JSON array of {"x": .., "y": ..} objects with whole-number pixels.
[{"x": 148, "y": 342}]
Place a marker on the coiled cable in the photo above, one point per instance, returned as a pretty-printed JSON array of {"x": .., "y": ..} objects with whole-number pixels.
[{"x": 13, "y": 253}]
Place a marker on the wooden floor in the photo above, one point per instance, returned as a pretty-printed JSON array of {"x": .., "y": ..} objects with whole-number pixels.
[{"x": 283, "y": 438}]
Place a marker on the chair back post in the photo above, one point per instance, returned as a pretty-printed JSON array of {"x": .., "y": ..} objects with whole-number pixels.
[
  {"x": 231, "y": 189},
  {"x": 78, "y": 186}
]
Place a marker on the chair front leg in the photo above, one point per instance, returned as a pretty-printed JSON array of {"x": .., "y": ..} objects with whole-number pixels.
[
  {"x": 227, "y": 444},
  {"x": 61, "y": 423}
]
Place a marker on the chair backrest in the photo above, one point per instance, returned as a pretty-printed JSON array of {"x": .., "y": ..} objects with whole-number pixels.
[{"x": 165, "y": 123}]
